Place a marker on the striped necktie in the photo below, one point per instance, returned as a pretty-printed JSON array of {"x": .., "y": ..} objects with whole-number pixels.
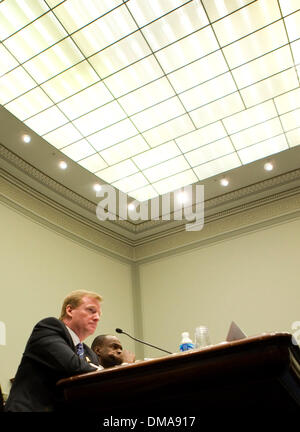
[{"x": 79, "y": 349}]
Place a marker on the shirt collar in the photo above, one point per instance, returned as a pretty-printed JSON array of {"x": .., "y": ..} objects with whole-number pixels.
[{"x": 74, "y": 336}]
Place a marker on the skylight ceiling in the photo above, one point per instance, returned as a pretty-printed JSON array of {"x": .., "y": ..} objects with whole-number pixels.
[{"x": 154, "y": 95}]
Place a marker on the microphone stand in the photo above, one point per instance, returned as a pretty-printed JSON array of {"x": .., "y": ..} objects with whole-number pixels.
[{"x": 146, "y": 343}]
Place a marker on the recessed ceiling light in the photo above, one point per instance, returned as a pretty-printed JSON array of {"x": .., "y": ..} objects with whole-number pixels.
[
  {"x": 224, "y": 182},
  {"x": 97, "y": 187},
  {"x": 131, "y": 206},
  {"x": 26, "y": 138},
  {"x": 268, "y": 166},
  {"x": 63, "y": 165}
]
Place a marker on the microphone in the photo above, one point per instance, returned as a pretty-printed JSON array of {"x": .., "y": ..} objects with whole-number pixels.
[{"x": 118, "y": 330}]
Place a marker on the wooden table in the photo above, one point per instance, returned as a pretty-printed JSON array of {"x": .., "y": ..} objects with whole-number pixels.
[{"x": 258, "y": 375}]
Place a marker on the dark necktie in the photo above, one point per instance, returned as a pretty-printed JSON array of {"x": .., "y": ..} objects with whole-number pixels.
[{"x": 79, "y": 349}]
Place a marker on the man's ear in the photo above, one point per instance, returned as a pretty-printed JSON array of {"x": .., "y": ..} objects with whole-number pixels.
[
  {"x": 69, "y": 311},
  {"x": 97, "y": 350}
]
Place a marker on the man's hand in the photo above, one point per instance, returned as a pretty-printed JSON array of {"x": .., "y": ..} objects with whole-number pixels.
[{"x": 128, "y": 357}]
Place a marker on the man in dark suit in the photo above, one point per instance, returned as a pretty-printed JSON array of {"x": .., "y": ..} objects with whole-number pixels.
[{"x": 55, "y": 351}]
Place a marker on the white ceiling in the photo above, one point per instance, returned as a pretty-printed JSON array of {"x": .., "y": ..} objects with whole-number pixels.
[{"x": 151, "y": 96}]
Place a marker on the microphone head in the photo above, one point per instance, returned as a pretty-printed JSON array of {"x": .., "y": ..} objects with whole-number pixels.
[{"x": 118, "y": 330}]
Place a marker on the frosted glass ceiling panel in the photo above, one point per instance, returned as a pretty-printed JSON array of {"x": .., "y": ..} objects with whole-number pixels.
[
  {"x": 124, "y": 150},
  {"x": 120, "y": 55},
  {"x": 293, "y": 137},
  {"x": 46, "y": 121},
  {"x": 53, "y": 61},
  {"x": 134, "y": 76},
  {"x": 291, "y": 120},
  {"x": 257, "y": 133},
  {"x": 79, "y": 150},
  {"x": 175, "y": 25},
  {"x": 209, "y": 152},
  {"x": 85, "y": 101},
  {"x": 74, "y": 14},
  {"x": 157, "y": 155},
  {"x": 217, "y": 166},
  {"x": 175, "y": 182},
  {"x": 147, "y": 96},
  {"x": 63, "y": 136},
  {"x": 14, "y": 84},
  {"x": 288, "y": 7},
  {"x": 201, "y": 137},
  {"x": 29, "y": 104},
  {"x": 288, "y": 102},
  {"x": 7, "y": 61},
  {"x": 144, "y": 193},
  {"x": 218, "y": 9},
  {"x": 130, "y": 183},
  {"x": 93, "y": 163},
  {"x": 187, "y": 50},
  {"x": 118, "y": 171},
  {"x": 166, "y": 169},
  {"x": 145, "y": 12},
  {"x": 15, "y": 14},
  {"x": 70, "y": 82},
  {"x": 263, "y": 149},
  {"x": 113, "y": 134},
  {"x": 292, "y": 23},
  {"x": 255, "y": 45},
  {"x": 198, "y": 72},
  {"x": 105, "y": 31},
  {"x": 169, "y": 130},
  {"x": 270, "y": 87},
  {"x": 246, "y": 20},
  {"x": 35, "y": 38}
]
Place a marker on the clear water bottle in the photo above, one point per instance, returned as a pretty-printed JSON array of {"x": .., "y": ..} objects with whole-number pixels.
[
  {"x": 201, "y": 337},
  {"x": 186, "y": 342}
]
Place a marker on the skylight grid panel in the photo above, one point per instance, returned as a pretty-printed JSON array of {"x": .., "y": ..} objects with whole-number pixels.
[
  {"x": 143, "y": 194},
  {"x": 158, "y": 114},
  {"x": 29, "y": 104},
  {"x": 263, "y": 67},
  {"x": 217, "y": 110},
  {"x": 201, "y": 137},
  {"x": 256, "y": 44},
  {"x": 175, "y": 182},
  {"x": 246, "y": 20},
  {"x": 35, "y": 38},
  {"x": 113, "y": 135},
  {"x": 87, "y": 100},
  {"x": 210, "y": 152},
  {"x": 14, "y": 84},
  {"x": 217, "y": 166},
  {"x": 63, "y": 136},
  {"x": 7, "y": 61},
  {"x": 79, "y": 150},
  {"x": 53, "y": 3},
  {"x": 166, "y": 169},
  {"x": 130, "y": 183},
  {"x": 288, "y": 101},
  {"x": 187, "y": 50},
  {"x": 175, "y": 25},
  {"x": 134, "y": 76},
  {"x": 147, "y": 96},
  {"x": 208, "y": 92},
  {"x": 124, "y": 150},
  {"x": 93, "y": 163},
  {"x": 46, "y": 121},
  {"x": 250, "y": 117},
  {"x": 75, "y": 14},
  {"x": 263, "y": 149},
  {"x": 121, "y": 54},
  {"x": 53, "y": 61},
  {"x": 169, "y": 130},
  {"x": 156, "y": 155},
  {"x": 292, "y": 23},
  {"x": 288, "y": 7},
  {"x": 99, "y": 118},
  {"x": 16, "y": 14},
  {"x": 296, "y": 51},
  {"x": 145, "y": 11},
  {"x": 199, "y": 71},
  {"x": 218, "y": 9},
  {"x": 291, "y": 120},
  {"x": 257, "y": 133},
  {"x": 105, "y": 31},
  {"x": 293, "y": 137},
  {"x": 270, "y": 87},
  {"x": 71, "y": 81},
  {"x": 118, "y": 171}
]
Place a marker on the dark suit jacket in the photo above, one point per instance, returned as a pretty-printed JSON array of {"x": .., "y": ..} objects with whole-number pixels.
[{"x": 49, "y": 355}]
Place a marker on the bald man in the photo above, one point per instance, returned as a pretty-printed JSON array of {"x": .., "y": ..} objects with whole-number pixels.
[{"x": 110, "y": 351}]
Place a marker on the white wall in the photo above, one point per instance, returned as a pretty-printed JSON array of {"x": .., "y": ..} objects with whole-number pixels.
[
  {"x": 253, "y": 280},
  {"x": 38, "y": 269}
]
